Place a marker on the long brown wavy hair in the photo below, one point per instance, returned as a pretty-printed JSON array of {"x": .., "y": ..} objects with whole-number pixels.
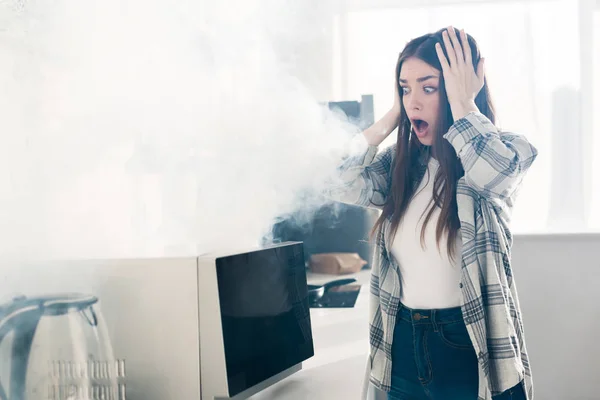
[{"x": 411, "y": 155}]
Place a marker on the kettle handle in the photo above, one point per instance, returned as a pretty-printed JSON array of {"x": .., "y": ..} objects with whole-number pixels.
[
  {"x": 3, "y": 395},
  {"x": 4, "y": 330},
  {"x": 23, "y": 319}
]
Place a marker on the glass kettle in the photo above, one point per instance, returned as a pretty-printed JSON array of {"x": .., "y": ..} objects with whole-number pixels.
[{"x": 57, "y": 348}]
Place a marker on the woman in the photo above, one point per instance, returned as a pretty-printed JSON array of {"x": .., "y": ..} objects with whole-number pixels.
[{"x": 445, "y": 321}]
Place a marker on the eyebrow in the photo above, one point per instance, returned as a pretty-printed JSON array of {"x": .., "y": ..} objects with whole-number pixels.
[{"x": 420, "y": 79}]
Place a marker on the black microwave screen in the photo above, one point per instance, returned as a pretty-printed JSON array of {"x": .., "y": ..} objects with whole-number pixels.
[{"x": 264, "y": 314}]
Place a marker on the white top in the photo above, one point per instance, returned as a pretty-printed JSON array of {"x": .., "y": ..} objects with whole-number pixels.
[{"x": 429, "y": 278}]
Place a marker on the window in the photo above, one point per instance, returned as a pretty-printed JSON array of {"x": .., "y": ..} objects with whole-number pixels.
[{"x": 595, "y": 214}]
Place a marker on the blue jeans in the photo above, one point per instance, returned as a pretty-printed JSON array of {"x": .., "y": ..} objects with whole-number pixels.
[{"x": 433, "y": 358}]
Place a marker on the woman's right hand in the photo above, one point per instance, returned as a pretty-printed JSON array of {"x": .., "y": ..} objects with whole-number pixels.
[{"x": 381, "y": 129}]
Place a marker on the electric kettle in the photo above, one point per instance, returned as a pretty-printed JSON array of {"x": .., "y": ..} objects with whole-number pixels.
[{"x": 57, "y": 348}]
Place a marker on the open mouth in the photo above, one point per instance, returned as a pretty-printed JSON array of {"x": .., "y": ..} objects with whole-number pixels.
[{"x": 420, "y": 126}]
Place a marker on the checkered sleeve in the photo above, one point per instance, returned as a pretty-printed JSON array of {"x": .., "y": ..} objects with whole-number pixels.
[
  {"x": 494, "y": 162},
  {"x": 363, "y": 179}
]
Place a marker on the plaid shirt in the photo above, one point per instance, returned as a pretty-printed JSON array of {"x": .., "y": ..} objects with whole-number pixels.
[{"x": 495, "y": 163}]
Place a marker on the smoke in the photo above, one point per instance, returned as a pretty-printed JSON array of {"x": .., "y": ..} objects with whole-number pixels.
[{"x": 135, "y": 128}]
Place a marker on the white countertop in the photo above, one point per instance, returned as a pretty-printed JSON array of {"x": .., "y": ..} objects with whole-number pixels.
[{"x": 341, "y": 340}]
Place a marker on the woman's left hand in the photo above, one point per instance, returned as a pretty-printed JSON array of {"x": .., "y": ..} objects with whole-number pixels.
[{"x": 461, "y": 81}]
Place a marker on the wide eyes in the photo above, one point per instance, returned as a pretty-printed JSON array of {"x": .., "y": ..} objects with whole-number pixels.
[{"x": 426, "y": 89}]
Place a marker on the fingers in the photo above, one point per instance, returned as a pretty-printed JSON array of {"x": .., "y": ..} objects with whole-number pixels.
[
  {"x": 449, "y": 48},
  {"x": 459, "y": 55},
  {"x": 442, "y": 57},
  {"x": 466, "y": 47}
]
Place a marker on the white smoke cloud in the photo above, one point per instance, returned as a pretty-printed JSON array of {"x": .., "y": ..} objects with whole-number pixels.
[{"x": 135, "y": 128}]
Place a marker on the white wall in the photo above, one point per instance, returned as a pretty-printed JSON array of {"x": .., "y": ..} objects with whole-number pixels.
[{"x": 557, "y": 278}]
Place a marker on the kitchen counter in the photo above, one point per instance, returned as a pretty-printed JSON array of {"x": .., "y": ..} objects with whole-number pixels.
[{"x": 341, "y": 340}]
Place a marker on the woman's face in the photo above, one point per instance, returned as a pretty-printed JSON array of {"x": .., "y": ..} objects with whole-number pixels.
[{"x": 419, "y": 84}]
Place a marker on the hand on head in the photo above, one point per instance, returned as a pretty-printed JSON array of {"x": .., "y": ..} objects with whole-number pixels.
[{"x": 462, "y": 82}]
